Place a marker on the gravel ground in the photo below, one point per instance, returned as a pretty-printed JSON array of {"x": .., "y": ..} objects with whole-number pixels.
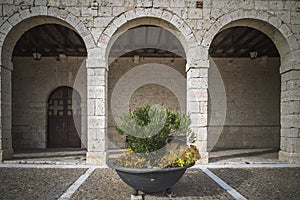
[
  {"x": 275, "y": 183},
  {"x": 28, "y": 183},
  {"x": 105, "y": 184}
]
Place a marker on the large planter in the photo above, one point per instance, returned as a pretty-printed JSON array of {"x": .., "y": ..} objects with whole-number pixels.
[{"x": 149, "y": 180}]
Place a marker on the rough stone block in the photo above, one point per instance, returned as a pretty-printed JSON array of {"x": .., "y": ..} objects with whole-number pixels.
[
  {"x": 249, "y": 4},
  {"x": 116, "y": 11},
  {"x": 167, "y": 15},
  {"x": 88, "y": 12},
  {"x": 5, "y": 28},
  {"x": 295, "y": 18},
  {"x": 157, "y": 12},
  {"x": 161, "y": 3},
  {"x": 89, "y": 42},
  {"x": 177, "y": 3},
  {"x": 285, "y": 30},
  {"x": 91, "y": 107},
  {"x": 74, "y": 10},
  {"x": 103, "y": 41},
  {"x": 275, "y": 21},
  {"x": 261, "y": 5},
  {"x": 100, "y": 107},
  {"x": 197, "y": 95},
  {"x": 276, "y": 5},
  {"x": 144, "y": 3},
  {"x": 40, "y": 2},
  {"x": 193, "y": 107},
  {"x": 59, "y": 13},
  {"x": 54, "y": 3},
  {"x": 82, "y": 30},
  {"x": 197, "y": 73},
  {"x": 70, "y": 3},
  {"x": 102, "y": 21},
  {"x": 95, "y": 92},
  {"x": 72, "y": 20},
  {"x": 130, "y": 15},
  {"x": 96, "y": 158},
  {"x": 8, "y": 10},
  {"x": 195, "y": 13},
  {"x": 96, "y": 122},
  {"x": 198, "y": 120},
  {"x": 14, "y": 19},
  {"x": 120, "y": 21},
  {"x": 285, "y": 16},
  {"x": 198, "y": 83}
]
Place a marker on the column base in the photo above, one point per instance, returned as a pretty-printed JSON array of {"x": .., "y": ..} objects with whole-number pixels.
[
  {"x": 289, "y": 157},
  {"x": 203, "y": 159},
  {"x": 6, "y": 154},
  {"x": 96, "y": 158}
]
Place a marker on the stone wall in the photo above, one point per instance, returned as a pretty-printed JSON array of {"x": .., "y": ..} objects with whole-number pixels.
[
  {"x": 32, "y": 83},
  {"x": 97, "y": 22},
  {"x": 151, "y": 94},
  {"x": 252, "y": 103}
]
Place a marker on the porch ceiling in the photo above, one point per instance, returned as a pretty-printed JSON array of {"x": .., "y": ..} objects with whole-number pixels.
[{"x": 53, "y": 39}]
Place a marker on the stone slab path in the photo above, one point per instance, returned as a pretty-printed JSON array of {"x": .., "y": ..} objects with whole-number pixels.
[{"x": 271, "y": 181}]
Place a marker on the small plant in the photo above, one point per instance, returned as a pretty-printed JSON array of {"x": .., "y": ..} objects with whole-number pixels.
[{"x": 148, "y": 131}]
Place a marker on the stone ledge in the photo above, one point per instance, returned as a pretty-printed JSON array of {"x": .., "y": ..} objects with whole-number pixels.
[
  {"x": 289, "y": 157},
  {"x": 96, "y": 158}
]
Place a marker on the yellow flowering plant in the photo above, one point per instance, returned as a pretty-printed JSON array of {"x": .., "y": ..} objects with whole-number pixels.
[{"x": 151, "y": 142}]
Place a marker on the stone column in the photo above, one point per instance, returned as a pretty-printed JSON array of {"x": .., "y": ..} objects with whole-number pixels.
[
  {"x": 290, "y": 116},
  {"x": 96, "y": 111},
  {"x": 197, "y": 98},
  {"x": 6, "y": 150}
]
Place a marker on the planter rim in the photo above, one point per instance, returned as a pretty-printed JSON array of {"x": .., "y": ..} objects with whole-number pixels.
[{"x": 111, "y": 164}]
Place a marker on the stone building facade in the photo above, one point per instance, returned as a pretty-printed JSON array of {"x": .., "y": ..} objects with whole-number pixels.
[{"x": 260, "y": 106}]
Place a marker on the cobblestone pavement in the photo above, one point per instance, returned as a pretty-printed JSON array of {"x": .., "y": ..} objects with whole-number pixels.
[
  {"x": 31, "y": 183},
  {"x": 275, "y": 183},
  {"x": 104, "y": 183}
]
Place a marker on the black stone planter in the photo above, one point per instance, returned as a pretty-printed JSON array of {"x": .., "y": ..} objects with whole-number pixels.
[{"x": 149, "y": 180}]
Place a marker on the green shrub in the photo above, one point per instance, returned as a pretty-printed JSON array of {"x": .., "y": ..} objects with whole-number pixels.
[
  {"x": 149, "y": 129},
  {"x": 149, "y": 132}
]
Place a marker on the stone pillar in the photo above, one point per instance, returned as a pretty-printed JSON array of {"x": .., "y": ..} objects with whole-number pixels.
[
  {"x": 96, "y": 111},
  {"x": 83, "y": 123},
  {"x": 290, "y": 116},
  {"x": 197, "y": 99},
  {"x": 6, "y": 150}
]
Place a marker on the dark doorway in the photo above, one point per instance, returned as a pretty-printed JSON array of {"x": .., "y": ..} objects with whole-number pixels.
[{"x": 64, "y": 114}]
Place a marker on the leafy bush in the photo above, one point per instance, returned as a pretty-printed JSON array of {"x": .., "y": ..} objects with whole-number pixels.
[{"x": 148, "y": 131}]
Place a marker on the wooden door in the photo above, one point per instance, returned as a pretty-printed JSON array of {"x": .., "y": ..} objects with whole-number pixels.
[{"x": 64, "y": 118}]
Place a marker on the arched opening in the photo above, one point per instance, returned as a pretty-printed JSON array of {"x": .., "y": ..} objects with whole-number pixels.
[
  {"x": 149, "y": 63},
  {"x": 64, "y": 118},
  {"x": 244, "y": 88},
  {"x": 61, "y": 61}
]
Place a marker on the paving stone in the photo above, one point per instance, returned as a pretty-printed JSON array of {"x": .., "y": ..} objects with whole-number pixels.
[
  {"x": 30, "y": 183},
  {"x": 105, "y": 184},
  {"x": 267, "y": 183}
]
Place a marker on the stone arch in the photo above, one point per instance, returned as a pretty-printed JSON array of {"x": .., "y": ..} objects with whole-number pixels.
[
  {"x": 286, "y": 43},
  {"x": 271, "y": 25},
  {"x": 149, "y": 16},
  {"x": 13, "y": 28}
]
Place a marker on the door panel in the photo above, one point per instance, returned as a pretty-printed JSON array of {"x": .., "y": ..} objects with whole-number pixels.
[
  {"x": 62, "y": 124},
  {"x": 73, "y": 140}
]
